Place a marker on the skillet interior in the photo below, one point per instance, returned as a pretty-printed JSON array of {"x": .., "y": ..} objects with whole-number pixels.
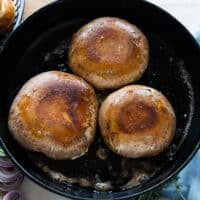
[{"x": 41, "y": 45}]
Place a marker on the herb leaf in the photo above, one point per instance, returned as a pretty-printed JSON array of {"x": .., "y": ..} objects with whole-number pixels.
[
  {"x": 2, "y": 154},
  {"x": 156, "y": 194}
]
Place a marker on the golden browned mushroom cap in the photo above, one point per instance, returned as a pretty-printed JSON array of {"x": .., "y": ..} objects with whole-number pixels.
[
  {"x": 55, "y": 113},
  {"x": 109, "y": 52},
  {"x": 137, "y": 121},
  {"x": 7, "y": 14}
]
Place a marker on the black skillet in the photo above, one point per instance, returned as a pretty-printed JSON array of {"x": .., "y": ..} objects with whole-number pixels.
[{"x": 41, "y": 43}]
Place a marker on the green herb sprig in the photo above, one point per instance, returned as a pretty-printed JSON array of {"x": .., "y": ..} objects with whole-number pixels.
[{"x": 156, "y": 194}]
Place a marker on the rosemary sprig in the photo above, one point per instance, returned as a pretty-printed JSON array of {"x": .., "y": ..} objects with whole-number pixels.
[
  {"x": 156, "y": 194},
  {"x": 178, "y": 189}
]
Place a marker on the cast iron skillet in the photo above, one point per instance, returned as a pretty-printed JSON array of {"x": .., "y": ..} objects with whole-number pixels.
[{"x": 40, "y": 44}]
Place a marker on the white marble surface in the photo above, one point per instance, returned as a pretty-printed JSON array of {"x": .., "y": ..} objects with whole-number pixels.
[{"x": 187, "y": 12}]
